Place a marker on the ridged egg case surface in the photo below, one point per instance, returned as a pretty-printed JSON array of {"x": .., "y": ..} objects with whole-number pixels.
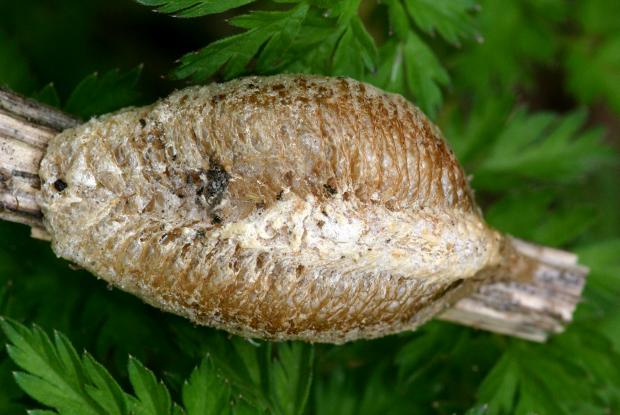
[{"x": 285, "y": 207}]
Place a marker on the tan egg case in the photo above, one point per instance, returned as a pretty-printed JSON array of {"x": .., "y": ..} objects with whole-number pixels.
[{"x": 285, "y": 207}]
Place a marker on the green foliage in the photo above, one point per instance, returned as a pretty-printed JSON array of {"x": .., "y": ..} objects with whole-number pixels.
[
  {"x": 56, "y": 376},
  {"x": 409, "y": 65},
  {"x": 194, "y": 8},
  {"x": 604, "y": 280},
  {"x": 98, "y": 94},
  {"x": 54, "y": 373},
  {"x": 451, "y": 19},
  {"x": 569, "y": 375},
  {"x": 519, "y": 88},
  {"x": 48, "y": 95},
  {"x": 593, "y": 60},
  {"x": 330, "y": 38},
  {"x": 269, "y": 377},
  {"x": 204, "y": 392},
  {"x": 517, "y": 37},
  {"x": 14, "y": 69},
  {"x": 152, "y": 397},
  {"x": 532, "y": 215},
  {"x": 339, "y": 395},
  {"x": 291, "y": 377},
  {"x": 541, "y": 147},
  {"x": 268, "y": 32}
]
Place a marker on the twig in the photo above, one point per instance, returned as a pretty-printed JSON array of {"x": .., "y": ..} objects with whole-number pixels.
[
  {"x": 531, "y": 310},
  {"x": 25, "y": 128}
]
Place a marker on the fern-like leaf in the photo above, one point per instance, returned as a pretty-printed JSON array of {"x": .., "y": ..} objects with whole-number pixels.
[
  {"x": 194, "y": 8},
  {"x": 541, "y": 147},
  {"x": 152, "y": 396},
  {"x": 97, "y": 94},
  {"x": 271, "y": 31},
  {"x": 563, "y": 377},
  {"x": 53, "y": 372},
  {"x": 205, "y": 392},
  {"x": 410, "y": 65},
  {"x": 291, "y": 377},
  {"x": 451, "y": 19}
]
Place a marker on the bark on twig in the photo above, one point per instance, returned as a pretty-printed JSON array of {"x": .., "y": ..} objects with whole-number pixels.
[
  {"x": 25, "y": 128},
  {"x": 531, "y": 310}
]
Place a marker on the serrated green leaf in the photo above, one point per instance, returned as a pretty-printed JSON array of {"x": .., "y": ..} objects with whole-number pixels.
[
  {"x": 194, "y": 8},
  {"x": 97, "y": 94},
  {"x": 592, "y": 62},
  {"x": 478, "y": 410},
  {"x": 365, "y": 391},
  {"x": 516, "y": 37},
  {"x": 398, "y": 22},
  {"x": 390, "y": 74},
  {"x": 594, "y": 70},
  {"x": 534, "y": 398},
  {"x": 59, "y": 379},
  {"x": 291, "y": 377},
  {"x": 104, "y": 390},
  {"x": 471, "y": 133},
  {"x": 72, "y": 367},
  {"x": 240, "y": 363},
  {"x": 345, "y": 9},
  {"x": 251, "y": 356},
  {"x": 313, "y": 50},
  {"x": 551, "y": 379},
  {"x": 543, "y": 147},
  {"x": 603, "y": 288},
  {"x": 153, "y": 397},
  {"x": 423, "y": 350},
  {"x": 50, "y": 395},
  {"x": 366, "y": 43},
  {"x": 424, "y": 74},
  {"x": 451, "y": 19},
  {"x": 232, "y": 55},
  {"x": 205, "y": 392},
  {"x": 297, "y": 40},
  {"x": 335, "y": 395},
  {"x": 410, "y": 68},
  {"x": 53, "y": 377},
  {"x": 531, "y": 216},
  {"x": 177, "y": 410},
  {"x": 498, "y": 391},
  {"x": 48, "y": 95},
  {"x": 355, "y": 52},
  {"x": 274, "y": 53}
]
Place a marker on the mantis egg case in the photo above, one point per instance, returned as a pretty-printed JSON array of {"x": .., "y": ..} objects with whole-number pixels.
[{"x": 285, "y": 207}]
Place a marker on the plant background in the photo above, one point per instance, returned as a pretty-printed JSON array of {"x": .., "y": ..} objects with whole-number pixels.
[{"x": 526, "y": 91}]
